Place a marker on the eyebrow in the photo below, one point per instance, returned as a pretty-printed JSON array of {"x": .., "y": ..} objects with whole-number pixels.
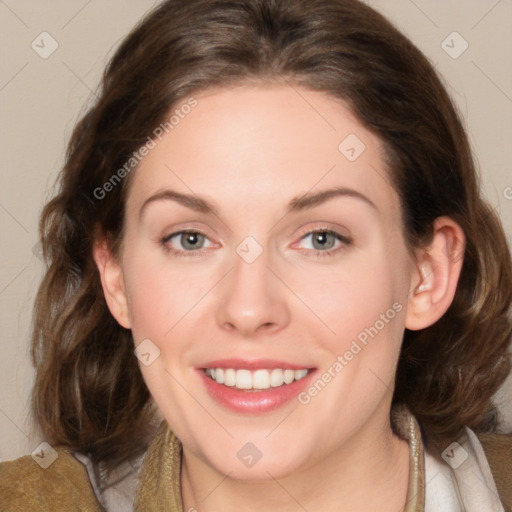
[{"x": 297, "y": 204}]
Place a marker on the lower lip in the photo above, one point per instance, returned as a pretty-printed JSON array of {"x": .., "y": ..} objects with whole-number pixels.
[{"x": 254, "y": 402}]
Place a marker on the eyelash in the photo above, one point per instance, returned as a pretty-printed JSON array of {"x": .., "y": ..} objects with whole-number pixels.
[{"x": 316, "y": 252}]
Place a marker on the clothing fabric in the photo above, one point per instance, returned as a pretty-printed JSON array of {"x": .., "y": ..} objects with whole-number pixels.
[
  {"x": 119, "y": 493},
  {"x": 460, "y": 480},
  {"x": 467, "y": 486}
]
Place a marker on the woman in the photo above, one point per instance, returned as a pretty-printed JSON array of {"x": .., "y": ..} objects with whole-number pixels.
[{"x": 275, "y": 205}]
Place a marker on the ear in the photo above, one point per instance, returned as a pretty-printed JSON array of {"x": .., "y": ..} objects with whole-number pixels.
[
  {"x": 112, "y": 281},
  {"x": 437, "y": 270}
]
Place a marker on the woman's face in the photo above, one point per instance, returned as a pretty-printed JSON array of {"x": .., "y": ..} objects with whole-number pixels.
[{"x": 301, "y": 330}]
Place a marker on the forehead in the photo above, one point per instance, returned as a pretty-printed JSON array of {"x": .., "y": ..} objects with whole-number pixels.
[{"x": 253, "y": 144}]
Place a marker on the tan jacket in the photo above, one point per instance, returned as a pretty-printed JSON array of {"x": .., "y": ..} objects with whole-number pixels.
[{"x": 65, "y": 486}]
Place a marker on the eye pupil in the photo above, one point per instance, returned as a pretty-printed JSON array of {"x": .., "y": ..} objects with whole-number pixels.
[
  {"x": 190, "y": 240},
  {"x": 321, "y": 238}
]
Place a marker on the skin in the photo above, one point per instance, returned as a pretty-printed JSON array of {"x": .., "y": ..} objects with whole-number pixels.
[{"x": 249, "y": 151}]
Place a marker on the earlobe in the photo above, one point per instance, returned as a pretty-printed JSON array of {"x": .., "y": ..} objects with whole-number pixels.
[
  {"x": 112, "y": 282},
  {"x": 437, "y": 270}
]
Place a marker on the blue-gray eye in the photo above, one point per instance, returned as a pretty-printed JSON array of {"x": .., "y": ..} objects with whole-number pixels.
[
  {"x": 323, "y": 240},
  {"x": 188, "y": 240}
]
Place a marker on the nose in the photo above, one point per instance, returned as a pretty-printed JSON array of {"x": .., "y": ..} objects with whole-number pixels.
[{"x": 253, "y": 300}]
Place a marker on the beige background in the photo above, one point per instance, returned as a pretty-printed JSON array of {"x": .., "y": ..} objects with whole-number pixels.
[{"x": 40, "y": 100}]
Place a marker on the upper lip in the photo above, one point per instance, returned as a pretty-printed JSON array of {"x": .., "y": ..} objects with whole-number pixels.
[{"x": 253, "y": 364}]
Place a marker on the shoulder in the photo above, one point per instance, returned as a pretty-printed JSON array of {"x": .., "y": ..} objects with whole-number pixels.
[
  {"x": 498, "y": 451},
  {"x": 62, "y": 486}
]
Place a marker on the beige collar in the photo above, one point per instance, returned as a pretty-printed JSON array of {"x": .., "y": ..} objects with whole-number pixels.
[
  {"x": 163, "y": 461},
  {"x": 407, "y": 428}
]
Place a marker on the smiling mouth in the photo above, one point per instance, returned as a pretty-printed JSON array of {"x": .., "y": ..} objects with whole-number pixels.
[{"x": 255, "y": 380}]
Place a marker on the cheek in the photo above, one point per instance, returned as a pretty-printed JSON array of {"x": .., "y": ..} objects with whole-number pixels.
[
  {"x": 148, "y": 304},
  {"x": 161, "y": 292},
  {"x": 359, "y": 295},
  {"x": 153, "y": 294}
]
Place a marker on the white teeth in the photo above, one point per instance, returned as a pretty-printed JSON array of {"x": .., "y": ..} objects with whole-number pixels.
[
  {"x": 289, "y": 376},
  {"x": 260, "y": 379},
  {"x": 276, "y": 377},
  {"x": 243, "y": 379},
  {"x": 300, "y": 374},
  {"x": 229, "y": 377},
  {"x": 257, "y": 379}
]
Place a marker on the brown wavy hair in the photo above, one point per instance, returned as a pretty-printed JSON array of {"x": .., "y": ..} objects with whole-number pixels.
[{"x": 89, "y": 394}]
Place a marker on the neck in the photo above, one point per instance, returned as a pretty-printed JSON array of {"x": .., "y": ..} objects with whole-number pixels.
[{"x": 370, "y": 472}]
